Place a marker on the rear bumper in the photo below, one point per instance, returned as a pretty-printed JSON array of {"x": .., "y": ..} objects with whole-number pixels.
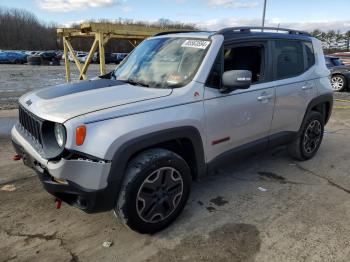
[
  {"x": 55, "y": 182},
  {"x": 347, "y": 76}
]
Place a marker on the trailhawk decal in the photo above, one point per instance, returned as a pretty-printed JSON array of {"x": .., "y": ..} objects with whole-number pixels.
[{"x": 200, "y": 44}]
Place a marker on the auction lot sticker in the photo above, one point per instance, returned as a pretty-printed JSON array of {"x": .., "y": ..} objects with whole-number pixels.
[{"x": 201, "y": 44}]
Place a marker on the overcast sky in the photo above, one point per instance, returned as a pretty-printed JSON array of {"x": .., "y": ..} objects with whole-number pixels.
[{"x": 207, "y": 14}]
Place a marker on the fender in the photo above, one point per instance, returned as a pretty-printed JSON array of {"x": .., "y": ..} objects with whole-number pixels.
[
  {"x": 128, "y": 149},
  {"x": 340, "y": 72},
  {"x": 318, "y": 100}
]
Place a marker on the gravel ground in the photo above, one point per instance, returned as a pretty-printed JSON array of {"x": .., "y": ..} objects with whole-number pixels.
[{"x": 16, "y": 80}]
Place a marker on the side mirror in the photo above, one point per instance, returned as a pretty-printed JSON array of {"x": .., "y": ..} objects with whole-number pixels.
[{"x": 235, "y": 79}]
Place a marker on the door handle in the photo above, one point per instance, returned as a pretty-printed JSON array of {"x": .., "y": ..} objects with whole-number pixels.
[
  {"x": 264, "y": 97},
  {"x": 306, "y": 87}
]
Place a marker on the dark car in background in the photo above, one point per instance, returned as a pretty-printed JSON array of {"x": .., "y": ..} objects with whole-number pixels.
[
  {"x": 340, "y": 73},
  {"x": 8, "y": 57},
  {"x": 45, "y": 58},
  {"x": 121, "y": 56},
  {"x": 50, "y": 56},
  {"x": 109, "y": 58}
]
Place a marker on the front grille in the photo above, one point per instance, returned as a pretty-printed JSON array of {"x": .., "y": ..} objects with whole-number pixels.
[{"x": 31, "y": 124}]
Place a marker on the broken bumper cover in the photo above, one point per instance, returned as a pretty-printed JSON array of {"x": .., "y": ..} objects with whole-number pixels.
[
  {"x": 347, "y": 77},
  {"x": 68, "y": 179},
  {"x": 90, "y": 201}
]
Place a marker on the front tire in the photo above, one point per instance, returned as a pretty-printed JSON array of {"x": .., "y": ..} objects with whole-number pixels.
[
  {"x": 338, "y": 83},
  {"x": 306, "y": 145},
  {"x": 155, "y": 190}
]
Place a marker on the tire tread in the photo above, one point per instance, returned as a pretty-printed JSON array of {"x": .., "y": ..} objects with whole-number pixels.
[{"x": 144, "y": 159}]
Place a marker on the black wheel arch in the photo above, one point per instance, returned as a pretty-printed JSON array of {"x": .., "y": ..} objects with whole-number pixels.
[
  {"x": 187, "y": 137},
  {"x": 322, "y": 104}
]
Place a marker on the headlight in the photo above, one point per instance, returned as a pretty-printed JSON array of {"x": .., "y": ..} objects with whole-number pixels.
[{"x": 60, "y": 134}]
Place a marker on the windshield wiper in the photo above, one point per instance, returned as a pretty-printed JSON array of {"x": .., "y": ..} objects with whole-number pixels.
[{"x": 135, "y": 83}]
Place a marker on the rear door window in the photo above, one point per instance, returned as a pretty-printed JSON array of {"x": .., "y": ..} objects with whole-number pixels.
[
  {"x": 288, "y": 58},
  {"x": 310, "y": 55}
]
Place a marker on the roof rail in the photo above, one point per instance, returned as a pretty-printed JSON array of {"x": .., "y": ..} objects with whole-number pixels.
[
  {"x": 176, "y": 32},
  {"x": 248, "y": 29}
]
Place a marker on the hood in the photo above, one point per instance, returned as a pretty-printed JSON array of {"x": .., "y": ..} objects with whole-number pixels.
[{"x": 63, "y": 102}]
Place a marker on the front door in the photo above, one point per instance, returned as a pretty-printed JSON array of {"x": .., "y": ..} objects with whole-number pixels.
[{"x": 242, "y": 116}]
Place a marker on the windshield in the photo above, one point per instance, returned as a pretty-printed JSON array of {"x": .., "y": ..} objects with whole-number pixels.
[
  {"x": 337, "y": 62},
  {"x": 163, "y": 62}
]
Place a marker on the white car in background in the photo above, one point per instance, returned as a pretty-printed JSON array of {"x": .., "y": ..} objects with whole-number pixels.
[
  {"x": 82, "y": 58},
  {"x": 80, "y": 55}
]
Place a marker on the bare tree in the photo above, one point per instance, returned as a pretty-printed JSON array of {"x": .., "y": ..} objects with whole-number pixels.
[
  {"x": 316, "y": 33},
  {"x": 347, "y": 38},
  {"x": 21, "y": 30}
]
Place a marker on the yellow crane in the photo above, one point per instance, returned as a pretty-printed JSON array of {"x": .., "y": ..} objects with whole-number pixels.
[{"x": 101, "y": 33}]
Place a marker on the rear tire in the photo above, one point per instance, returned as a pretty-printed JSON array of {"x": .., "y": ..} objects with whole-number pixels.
[
  {"x": 156, "y": 187},
  {"x": 306, "y": 145},
  {"x": 338, "y": 83}
]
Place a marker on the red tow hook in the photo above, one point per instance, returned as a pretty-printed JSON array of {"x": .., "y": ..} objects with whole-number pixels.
[
  {"x": 58, "y": 203},
  {"x": 16, "y": 157}
]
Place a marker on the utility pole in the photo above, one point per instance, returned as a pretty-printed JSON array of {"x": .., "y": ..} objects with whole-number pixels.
[{"x": 263, "y": 18}]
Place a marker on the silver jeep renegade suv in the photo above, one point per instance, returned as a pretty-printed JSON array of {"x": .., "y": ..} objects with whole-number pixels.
[{"x": 180, "y": 105}]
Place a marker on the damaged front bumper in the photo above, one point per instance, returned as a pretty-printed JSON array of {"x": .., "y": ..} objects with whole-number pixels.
[{"x": 81, "y": 182}]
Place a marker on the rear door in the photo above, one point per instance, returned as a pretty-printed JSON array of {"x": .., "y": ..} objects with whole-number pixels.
[
  {"x": 242, "y": 116},
  {"x": 293, "y": 65}
]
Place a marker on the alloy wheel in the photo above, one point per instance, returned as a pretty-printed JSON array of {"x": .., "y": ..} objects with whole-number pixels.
[
  {"x": 312, "y": 136},
  {"x": 337, "y": 83},
  {"x": 159, "y": 195}
]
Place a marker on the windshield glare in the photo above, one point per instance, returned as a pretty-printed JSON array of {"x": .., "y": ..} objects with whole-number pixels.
[{"x": 163, "y": 62}]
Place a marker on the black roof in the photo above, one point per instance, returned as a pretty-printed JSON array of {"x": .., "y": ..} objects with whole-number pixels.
[
  {"x": 177, "y": 32},
  {"x": 234, "y": 33},
  {"x": 263, "y": 35}
]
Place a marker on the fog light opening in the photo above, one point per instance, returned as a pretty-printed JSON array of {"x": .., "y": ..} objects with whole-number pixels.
[{"x": 81, "y": 202}]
